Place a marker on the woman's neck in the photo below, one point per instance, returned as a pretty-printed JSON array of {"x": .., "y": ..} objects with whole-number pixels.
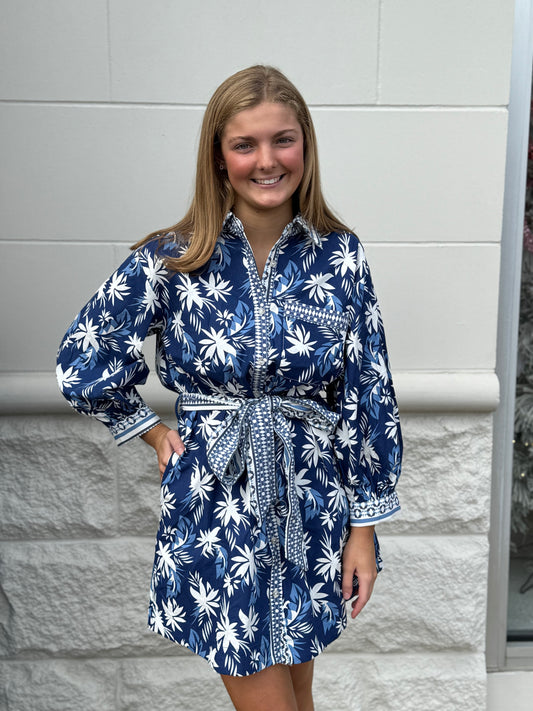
[{"x": 263, "y": 229}]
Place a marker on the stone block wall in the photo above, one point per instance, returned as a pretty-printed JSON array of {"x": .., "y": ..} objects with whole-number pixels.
[{"x": 77, "y": 523}]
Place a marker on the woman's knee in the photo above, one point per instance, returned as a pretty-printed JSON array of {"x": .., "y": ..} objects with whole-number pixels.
[
  {"x": 267, "y": 690},
  {"x": 302, "y": 682}
]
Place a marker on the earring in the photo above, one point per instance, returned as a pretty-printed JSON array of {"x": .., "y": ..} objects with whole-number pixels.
[{"x": 222, "y": 166}]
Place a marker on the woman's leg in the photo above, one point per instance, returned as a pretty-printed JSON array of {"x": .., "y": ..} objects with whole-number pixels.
[
  {"x": 276, "y": 688},
  {"x": 302, "y": 682}
]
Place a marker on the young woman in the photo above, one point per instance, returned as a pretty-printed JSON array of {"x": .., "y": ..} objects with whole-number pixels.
[{"x": 288, "y": 446}]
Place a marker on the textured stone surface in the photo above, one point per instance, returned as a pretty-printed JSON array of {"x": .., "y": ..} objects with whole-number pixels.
[
  {"x": 69, "y": 470},
  {"x": 171, "y": 685},
  {"x": 430, "y": 596},
  {"x": 78, "y": 522},
  {"x": 90, "y": 597},
  {"x": 57, "y": 478},
  {"x": 400, "y": 682},
  {"x": 441, "y": 490},
  {"x": 60, "y": 685},
  {"x": 82, "y": 598},
  {"x": 347, "y": 682},
  {"x": 138, "y": 486},
  {"x": 445, "y": 482}
]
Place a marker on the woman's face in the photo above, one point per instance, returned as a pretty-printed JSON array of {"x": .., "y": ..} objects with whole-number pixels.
[{"x": 263, "y": 154}]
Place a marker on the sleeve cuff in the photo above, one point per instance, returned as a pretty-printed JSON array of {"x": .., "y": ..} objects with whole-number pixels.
[
  {"x": 367, "y": 513},
  {"x": 134, "y": 424}
]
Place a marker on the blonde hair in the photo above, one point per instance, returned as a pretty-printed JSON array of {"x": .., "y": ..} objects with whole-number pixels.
[{"x": 213, "y": 195}]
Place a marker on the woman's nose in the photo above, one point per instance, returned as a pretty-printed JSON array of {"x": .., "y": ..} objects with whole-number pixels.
[{"x": 266, "y": 158}]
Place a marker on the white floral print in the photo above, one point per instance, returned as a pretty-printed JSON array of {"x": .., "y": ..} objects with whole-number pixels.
[{"x": 287, "y": 410}]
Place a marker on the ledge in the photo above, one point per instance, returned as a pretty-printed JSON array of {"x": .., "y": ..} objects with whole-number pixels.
[{"x": 460, "y": 391}]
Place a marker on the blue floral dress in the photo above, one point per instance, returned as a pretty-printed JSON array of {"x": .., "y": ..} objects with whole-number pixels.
[{"x": 287, "y": 411}]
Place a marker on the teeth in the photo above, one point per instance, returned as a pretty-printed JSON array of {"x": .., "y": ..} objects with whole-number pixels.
[{"x": 271, "y": 181}]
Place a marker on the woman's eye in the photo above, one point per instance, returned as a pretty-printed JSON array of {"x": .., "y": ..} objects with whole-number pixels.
[
  {"x": 242, "y": 147},
  {"x": 285, "y": 139}
]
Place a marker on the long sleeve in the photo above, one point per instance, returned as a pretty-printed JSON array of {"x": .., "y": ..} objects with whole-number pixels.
[
  {"x": 100, "y": 359},
  {"x": 368, "y": 439}
]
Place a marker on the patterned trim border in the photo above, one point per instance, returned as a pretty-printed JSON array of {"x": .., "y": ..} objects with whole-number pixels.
[
  {"x": 135, "y": 424},
  {"x": 314, "y": 314},
  {"x": 365, "y": 513}
]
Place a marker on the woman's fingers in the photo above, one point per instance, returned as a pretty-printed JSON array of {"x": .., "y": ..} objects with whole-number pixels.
[
  {"x": 366, "y": 585},
  {"x": 347, "y": 582},
  {"x": 359, "y": 560},
  {"x": 175, "y": 442},
  {"x": 168, "y": 449},
  {"x": 166, "y": 443},
  {"x": 363, "y": 591}
]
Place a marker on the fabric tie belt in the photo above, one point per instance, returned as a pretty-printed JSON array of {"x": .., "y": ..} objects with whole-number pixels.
[{"x": 246, "y": 441}]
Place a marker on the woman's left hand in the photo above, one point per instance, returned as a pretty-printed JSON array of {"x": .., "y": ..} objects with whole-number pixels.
[{"x": 359, "y": 558}]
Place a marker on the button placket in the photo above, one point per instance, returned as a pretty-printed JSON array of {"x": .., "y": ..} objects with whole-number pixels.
[
  {"x": 278, "y": 625},
  {"x": 261, "y": 290},
  {"x": 260, "y": 301},
  {"x": 262, "y": 293}
]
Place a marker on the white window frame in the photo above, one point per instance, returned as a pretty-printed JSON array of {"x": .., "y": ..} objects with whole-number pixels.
[{"x": 502, "y": 655}]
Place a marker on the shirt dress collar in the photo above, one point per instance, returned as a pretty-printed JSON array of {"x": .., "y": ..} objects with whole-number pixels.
[{"x": 299, "y": 224}]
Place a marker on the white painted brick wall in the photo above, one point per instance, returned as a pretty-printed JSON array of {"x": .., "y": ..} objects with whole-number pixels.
[{"x": 100, "y": 112}]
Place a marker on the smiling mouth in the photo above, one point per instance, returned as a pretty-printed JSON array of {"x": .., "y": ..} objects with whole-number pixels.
[{"x": 267, "y": 181}]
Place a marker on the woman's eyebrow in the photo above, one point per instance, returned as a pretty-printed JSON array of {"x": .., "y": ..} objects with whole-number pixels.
[
  {"x": 251, "y": 138},
  {"x": 285, "y": 130}
]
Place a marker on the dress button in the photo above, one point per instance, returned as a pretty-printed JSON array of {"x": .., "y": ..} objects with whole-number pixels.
[{"x": 275, "y": 593}]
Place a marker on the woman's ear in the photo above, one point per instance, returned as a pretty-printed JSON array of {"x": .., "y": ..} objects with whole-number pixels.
[{"x": 219, "y": 160}]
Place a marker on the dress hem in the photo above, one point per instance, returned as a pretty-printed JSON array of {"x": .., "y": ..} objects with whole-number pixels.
[{"x": 311, "y": 656}]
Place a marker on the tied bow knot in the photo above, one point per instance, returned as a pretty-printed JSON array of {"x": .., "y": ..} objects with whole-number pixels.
[{"x": 246, "y": 441}]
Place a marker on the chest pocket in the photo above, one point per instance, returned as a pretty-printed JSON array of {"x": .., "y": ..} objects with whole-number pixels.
[{"x": 313, "y": 342}]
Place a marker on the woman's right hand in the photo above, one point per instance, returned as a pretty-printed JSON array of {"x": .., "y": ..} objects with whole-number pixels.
[{"x": 166, "y": 443}]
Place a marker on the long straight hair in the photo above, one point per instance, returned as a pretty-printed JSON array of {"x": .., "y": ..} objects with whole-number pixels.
[{"x": 213, "y": 194}]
